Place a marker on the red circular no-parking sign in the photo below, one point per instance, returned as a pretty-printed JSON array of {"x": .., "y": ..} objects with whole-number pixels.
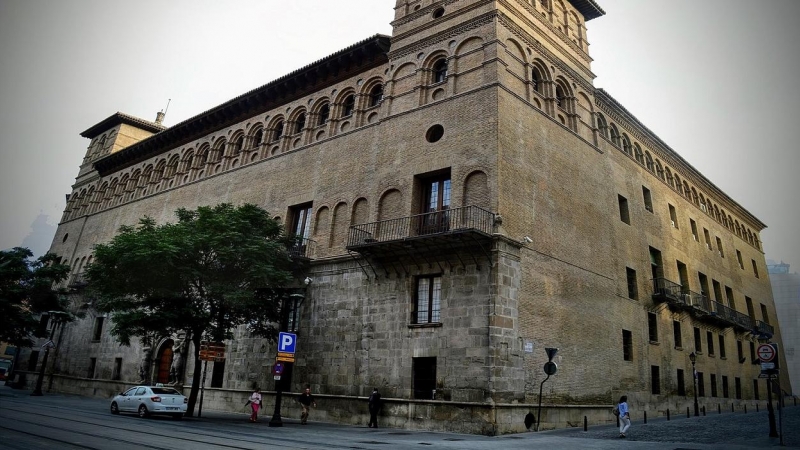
[{"x": 766, "y": 352}]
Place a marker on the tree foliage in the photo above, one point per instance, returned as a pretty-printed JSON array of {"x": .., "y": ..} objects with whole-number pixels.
[
  {"x": 28, "y": 288},
  {"x": 214, "y": 269}
]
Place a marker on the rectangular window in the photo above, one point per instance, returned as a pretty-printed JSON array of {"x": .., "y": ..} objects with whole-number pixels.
[
  {"x": 717, "y": 291},
  {"x": 764, "y": 315},
  {"x": 698, "y": 342},
  {"x": 755, "y": 268},
  {"x": 737, "y": 385},
  {"x": 750, "y": 310},
  {"x": 701, "y": 385},
  {"x": 652, "y": 327},
  {"x": 683, "y": 273},
  {"x": 739, "y": 258},
  {"x": 117, "y": 373},
  {"x": 713, "y": 381},
  {"x": 676, "y": 332},
  {"x": 627, "y": 345},
  {"x": 673, "y": 216},
  {"x": 755, "y": 390},
  {"x": 218, "y": 374},
  {"x": 656, "y": 264},
  {"x": 655, "y": 380},
  {"x": 708, "y": 238},
  {"x": 648, "y": 199},
  {"x": 424, "y": 378},
  {"x": 740, "y": 352},
  {"x": 710, "y": 343},
  {"x": 98, "y": 329},
  {"x": 92, "y": 367},
  {"x": 681, "y": 383},
  {"x": 703, "y": 284},
  {"x": 624, "y": 214},
  {"x": 719, "y": 247},
  {"x": 33, "y": 359},
  {"x": 722, "y": 346},
  {"x": 752, "y": 352},
  {"x": 435, "y": 204},
  {"x": 694, "y": 230},
  {"x": 725, "y": 392},
  {"x": 428, "y": 298},
  {"x": 633, "y": 287},
  {"x": 729, "y": 296}
]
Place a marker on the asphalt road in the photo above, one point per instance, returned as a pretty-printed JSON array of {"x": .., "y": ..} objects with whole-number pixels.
[{"x": 68, "y": 422}]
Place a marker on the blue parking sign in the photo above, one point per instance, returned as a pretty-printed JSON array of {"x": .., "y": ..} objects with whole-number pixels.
[{"x": 287, "y": 342}]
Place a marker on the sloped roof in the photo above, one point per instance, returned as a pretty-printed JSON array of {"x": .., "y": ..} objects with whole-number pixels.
[
  {"x": 118, "y": 118},
  {"x": 589, "y": 8}
]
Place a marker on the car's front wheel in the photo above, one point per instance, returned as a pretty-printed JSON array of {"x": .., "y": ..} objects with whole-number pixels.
[
  {"x": 143, "y": 412},
  {"x": 114, "y": 408}
]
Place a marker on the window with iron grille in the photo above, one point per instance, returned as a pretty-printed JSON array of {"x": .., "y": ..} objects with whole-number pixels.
[
  {"x": 721, "y": 346},
  {"x": 725, "y": 392},
  {"x": 652, "y": 327},
  {"x": 633, "y": 289},
  {"x": 627, "y": 345},
  {"x": 713, "y": 385},
  {"x": 428, "y": 299},
  {"x": 701, "y": 385},
  {"x": 681, "y": 383},
  {"x": 698, "y": 342},
  {"x": 655, "y": 379},
  {"x": 676, "y": 331}
]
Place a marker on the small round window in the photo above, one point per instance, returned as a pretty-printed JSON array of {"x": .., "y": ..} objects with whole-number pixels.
[
  {"x": 434, "y": 133},
  {"x": 439, "y": 12}
]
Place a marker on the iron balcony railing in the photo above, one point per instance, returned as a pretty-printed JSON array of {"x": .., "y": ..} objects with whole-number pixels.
[
  {"x": 301, "y": 247},
  {"x": 467, "y": 218},
  {"x": 764, "y": 328}
]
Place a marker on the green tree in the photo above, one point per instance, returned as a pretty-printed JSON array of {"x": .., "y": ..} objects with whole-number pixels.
[
  {"x": 214, "y": 269},
  {"x": 28, "y": 288}
]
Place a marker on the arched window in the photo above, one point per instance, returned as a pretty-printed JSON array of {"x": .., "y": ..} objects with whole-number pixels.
[
  {"x": 300, "y": 123},
  {"x": 602, "y": 125},
  {"x": 324, "y": 114},
  {"x": 678, "y": 184},
  {"x": 376, "y": 95},
  {"x": 278, "y": 133},
  {"x": 626, "y": 145},
  {"x": 536, "y": 80},
  {"x": 686, "y": 191},
  {"x": 637, "y": 154},
  {"x": 669, "y": 178},
  {"x": 695, "y": 198},
  {"x": 660, "y": 170},
  {"x": 258, "y": 137},
  {"x": 349, "y": 106},
  {"x": 615, "y": 138},
  {"x": 238, "y": 144},
  {"x": 560, "y": 97},
  {"x": 440, "y": 70},
  {"x": 648, "y": 161}
]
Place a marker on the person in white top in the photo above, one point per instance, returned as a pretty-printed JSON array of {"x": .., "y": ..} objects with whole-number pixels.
[
  {"x": 624, "y": 416},
  {"x": 255, "y": 404}
]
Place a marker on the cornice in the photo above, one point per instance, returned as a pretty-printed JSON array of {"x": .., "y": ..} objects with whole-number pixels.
[
  {"x": 120, "y": 118},
  {"x": 477, "y": 22},
  {"x": 422, "y": 12},
  {"x": 615, "y": 110},
  {"x": 364, "y": 55}
]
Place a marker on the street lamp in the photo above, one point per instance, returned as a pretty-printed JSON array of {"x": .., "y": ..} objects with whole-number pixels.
[
  {"x": 693, "y": 359},
  {"x": 290, "y": 318},
  {"x": 57, "y": 318}
]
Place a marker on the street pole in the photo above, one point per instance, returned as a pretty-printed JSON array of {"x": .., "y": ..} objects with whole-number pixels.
[
  {"x": 773, "y": 430},
  {"x": 202, "y": 389},
  {"x": 539, "y": 412},
  {"x": 693, "y": 359},
  {"x": 276, "y": 414},
  {"x": 37, "y": 391}
]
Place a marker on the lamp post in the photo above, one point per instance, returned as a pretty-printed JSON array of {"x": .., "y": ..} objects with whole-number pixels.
[
  {"x": 693, "y": 359},
  {"x": 550, "y": 368},
  {"x": 290, "y": 316},
  {"x": 57, "y": 317}
]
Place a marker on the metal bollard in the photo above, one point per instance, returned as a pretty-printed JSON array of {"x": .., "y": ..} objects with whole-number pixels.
[
  {"x": 732, "y": 408},
  {"x": 745, "y": 408},
  {"x": 795, "y": 401},
  {"x": 667, "y": 413},
  {"x": 585, "y": 423},
  {"x": 756, "y": 407},
  {"x": 704, "y": 410},
  {"x": 645, "y": 417},
  {"x": 719, "y": 408},
  {"x": 687, "y": 412}
]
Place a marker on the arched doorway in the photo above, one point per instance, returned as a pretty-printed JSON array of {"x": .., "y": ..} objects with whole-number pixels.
[{"x": 164, "y": 362}]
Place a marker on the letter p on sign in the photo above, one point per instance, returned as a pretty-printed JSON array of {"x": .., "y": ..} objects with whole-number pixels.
[{"x": 287, "y": 342}]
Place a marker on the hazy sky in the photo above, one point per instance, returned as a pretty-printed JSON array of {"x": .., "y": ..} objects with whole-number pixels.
[{"x": 715, "y": 79}]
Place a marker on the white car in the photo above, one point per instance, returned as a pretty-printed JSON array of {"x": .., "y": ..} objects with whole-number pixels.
[{"x": 147, "y": 400}]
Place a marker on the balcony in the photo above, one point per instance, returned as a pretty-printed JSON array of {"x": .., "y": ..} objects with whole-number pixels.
[
  {"x": 703, "y": 308},
  {"x": 301, "y": 248},
  {"x": 425, "y": 238}
]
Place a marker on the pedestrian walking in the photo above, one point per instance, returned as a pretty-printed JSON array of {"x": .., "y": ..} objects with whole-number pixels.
[
  {"x": 624, "y": 416},
  {"x": 255, "y": 404},
  {"x": 306, "y": 401},
  {"x": 374, "y": 407}
]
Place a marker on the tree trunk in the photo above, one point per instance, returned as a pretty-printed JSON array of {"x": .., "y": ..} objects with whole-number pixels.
[{"x": 196, "y": 338}]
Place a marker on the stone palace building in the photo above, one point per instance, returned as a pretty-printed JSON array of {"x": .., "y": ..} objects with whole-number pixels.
[{"x": 466, "y": 198}]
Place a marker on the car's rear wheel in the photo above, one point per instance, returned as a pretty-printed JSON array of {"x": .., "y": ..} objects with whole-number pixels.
[
  {"x": 143, "y": 412},
  {"x": 114, "y": 408}
]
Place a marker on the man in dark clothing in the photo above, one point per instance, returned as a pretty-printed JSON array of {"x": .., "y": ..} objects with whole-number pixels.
[
  {"x": 306, "y": 400},
  {"x": 374, "y": 407}
]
